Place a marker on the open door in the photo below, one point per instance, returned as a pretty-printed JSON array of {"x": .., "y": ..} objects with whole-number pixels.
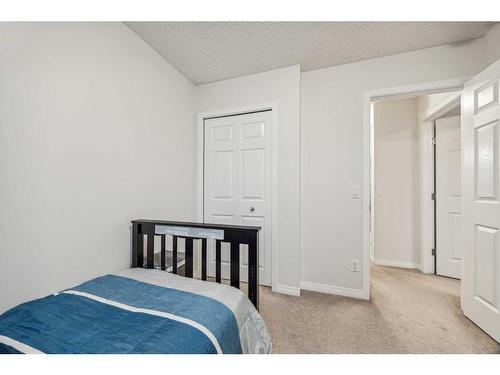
[
  {"x": 448, "y": 195},
  {"x": 480, "y": 295}
]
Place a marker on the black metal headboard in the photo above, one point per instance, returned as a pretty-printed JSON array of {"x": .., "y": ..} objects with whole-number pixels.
[{"x": 233, "y": 234}]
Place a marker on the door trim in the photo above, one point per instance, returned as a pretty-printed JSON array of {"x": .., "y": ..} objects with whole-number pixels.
[
  {"x": 390, "y": 93},
  {"x": 200, "y": 153}
]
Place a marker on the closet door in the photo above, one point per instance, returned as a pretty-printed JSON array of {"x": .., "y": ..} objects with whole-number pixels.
[{"x": 237, "y": 183}]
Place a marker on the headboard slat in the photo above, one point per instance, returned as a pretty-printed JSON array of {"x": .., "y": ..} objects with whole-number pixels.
[
  {"x": 218, "y": 261},
  {"x": 174, "y": 254},
  {"x": 235, "y": 265},
  {"x": 188, "y": 267},
  {"x": 203, "y": 258},
  {"x": 163, "y": 252},
  {"x": 150, "y": 260}
]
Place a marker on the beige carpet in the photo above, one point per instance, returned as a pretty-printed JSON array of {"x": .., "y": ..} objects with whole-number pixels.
[{"x": 409, "y": 312}]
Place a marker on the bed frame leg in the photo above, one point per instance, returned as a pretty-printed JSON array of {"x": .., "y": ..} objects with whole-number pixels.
[
  {"x": 137, "y": 245},
  {"x": 253, "y": 269}
]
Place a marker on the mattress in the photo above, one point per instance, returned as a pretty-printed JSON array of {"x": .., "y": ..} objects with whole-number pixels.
[{"x": 137, "y": 311}]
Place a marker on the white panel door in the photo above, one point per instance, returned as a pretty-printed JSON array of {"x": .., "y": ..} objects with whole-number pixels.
[
  {"x": 448, "y": 198},
  {"x": 480, "y": 295},
  {"x": 237, "y": 184}
]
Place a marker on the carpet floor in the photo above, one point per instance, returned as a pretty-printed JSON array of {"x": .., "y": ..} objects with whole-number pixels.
[{"x": 409, "y": 312}]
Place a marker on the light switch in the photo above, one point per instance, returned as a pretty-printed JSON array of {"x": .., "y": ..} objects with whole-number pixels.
[{"x": 355, "y": 192}]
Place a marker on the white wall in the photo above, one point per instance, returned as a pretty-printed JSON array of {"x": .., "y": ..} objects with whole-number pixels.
[
  {"x": 282, "y": 87},
  {"x": 397, "y": 181},
  {"x": 332, "y": 153},
  {"x": 430, "y": 101},
  {"x": 492, "y": 45},
  {"x": 95, "y": 130}
]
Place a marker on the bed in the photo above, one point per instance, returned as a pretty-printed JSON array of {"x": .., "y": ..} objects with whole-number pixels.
[{"x": 147, "y": 310}]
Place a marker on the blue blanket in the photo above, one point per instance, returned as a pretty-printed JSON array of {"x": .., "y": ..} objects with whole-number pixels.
[{"x": 113, "y": 314}]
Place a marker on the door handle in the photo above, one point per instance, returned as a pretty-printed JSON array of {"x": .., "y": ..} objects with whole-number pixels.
[{"x": 252, "y": 209}]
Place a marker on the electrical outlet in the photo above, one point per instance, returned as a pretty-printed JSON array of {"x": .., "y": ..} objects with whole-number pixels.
[
  {"x": 355, "y": 192},
  {"x": 355, "y": 265}
]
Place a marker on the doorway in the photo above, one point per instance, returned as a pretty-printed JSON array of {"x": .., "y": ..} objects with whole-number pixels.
[
  {"x": 398, "y": 246},
  {"x": 479, "y": 141},
  {"x": 415, "y": 188},
  {"x": 237, "y": 182}
]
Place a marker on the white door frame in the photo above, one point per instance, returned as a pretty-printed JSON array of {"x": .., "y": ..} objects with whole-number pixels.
[
  {"x": 390, "y": 93},
  {"x": 200, "y": 147}
]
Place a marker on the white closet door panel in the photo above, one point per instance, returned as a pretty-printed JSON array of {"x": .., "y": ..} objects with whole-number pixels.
[{"x": 238, "y": 183}]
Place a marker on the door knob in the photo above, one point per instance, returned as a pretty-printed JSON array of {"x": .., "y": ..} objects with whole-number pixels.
[{"x": 252, "y": 209}]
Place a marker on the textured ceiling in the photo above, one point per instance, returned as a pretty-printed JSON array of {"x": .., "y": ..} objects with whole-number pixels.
[{"x": 212, "y": 51}]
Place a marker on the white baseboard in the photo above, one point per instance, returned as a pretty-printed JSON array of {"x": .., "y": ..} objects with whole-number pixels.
[
  {"x": 285, "y": 289},
  {"x": 396, "y": 263},
  {"x": 332, "y": 289}
]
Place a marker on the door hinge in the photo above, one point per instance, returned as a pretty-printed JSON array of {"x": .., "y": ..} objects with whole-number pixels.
[
  {"x": 433, "y": 196},
  {"x": 433, "y": 140},
  {"x": 434, "y": 252}
]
